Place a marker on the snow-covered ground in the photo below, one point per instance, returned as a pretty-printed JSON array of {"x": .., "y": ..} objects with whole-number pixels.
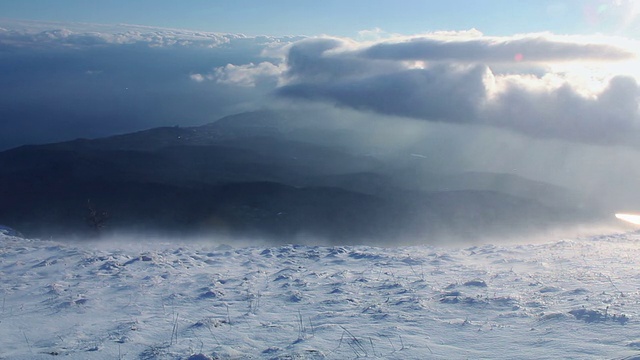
[{"x": 577, "y": 299}]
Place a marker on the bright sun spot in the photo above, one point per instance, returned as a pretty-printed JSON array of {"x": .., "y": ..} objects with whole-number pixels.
[{"x": 634, "y": 219}]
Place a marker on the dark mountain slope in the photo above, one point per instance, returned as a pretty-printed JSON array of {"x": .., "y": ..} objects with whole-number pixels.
[{"x": 245, "y": 176}]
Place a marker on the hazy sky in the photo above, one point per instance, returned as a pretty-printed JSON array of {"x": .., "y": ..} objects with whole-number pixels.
[
  {"x": 546, "y": 89},
  {"x": 343, "y": 18}
]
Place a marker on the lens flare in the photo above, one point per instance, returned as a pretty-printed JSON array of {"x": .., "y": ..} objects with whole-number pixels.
[{"x": 631, "y": 218}]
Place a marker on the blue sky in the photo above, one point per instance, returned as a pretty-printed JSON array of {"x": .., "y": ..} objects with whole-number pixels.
[{"x": 340, "y": 17}]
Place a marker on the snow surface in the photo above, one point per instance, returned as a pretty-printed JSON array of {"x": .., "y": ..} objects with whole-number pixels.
[{"x": 576, "y": 299}]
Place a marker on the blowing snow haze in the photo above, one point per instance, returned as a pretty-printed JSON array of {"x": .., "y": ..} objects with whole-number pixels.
[{"x": 378, "y": 136}]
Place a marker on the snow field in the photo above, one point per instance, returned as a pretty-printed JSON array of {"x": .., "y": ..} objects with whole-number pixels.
[{"x": 575, "y": 298}]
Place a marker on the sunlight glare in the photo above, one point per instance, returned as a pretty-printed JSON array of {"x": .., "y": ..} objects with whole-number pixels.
[{"x": 634, "y": 219}]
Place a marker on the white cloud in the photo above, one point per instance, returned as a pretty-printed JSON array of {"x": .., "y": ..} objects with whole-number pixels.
[
  {"x": 246, "y": 75},
  {"x": 536, "y": 48},
  {"x": 556, "y": 109},
  {"x": 197, "y": 77},
  {"x": 450, "y": 78},
  {"x": 37, "y": 34},
  {"x": 565, "y": 90}
]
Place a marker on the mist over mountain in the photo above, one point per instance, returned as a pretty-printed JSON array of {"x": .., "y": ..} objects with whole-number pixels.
[{"x": 266, "y": 174}]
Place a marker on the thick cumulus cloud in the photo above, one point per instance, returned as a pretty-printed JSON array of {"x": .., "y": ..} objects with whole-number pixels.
[
  {"x": 606, "y": 118},
  {"x": 452, "y": 80},
  {"x": 326, "y": 60},
  {"x": 440, "y": 93}
]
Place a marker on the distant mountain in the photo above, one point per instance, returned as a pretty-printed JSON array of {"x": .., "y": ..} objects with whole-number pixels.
[
  {"x": 249, "y": 175},
  {"x": 261, "y": 124},
  {"x": 547, "y": 194}
]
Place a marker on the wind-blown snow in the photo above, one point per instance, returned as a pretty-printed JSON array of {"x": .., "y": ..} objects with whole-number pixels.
[{"x": 576, "y": 298}]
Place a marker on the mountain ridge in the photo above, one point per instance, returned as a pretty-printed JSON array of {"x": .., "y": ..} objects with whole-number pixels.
[{"x": 231, "y": 176}]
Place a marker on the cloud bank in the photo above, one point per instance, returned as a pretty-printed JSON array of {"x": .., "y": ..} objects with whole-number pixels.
[
  {"x": 39, "y": 34},
  {"x": 465, "y": 78},
  {"x": 520, "y": 48}
]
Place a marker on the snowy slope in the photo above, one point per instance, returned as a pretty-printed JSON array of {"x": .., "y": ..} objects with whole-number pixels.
[{"x": 576, "y": 298}]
